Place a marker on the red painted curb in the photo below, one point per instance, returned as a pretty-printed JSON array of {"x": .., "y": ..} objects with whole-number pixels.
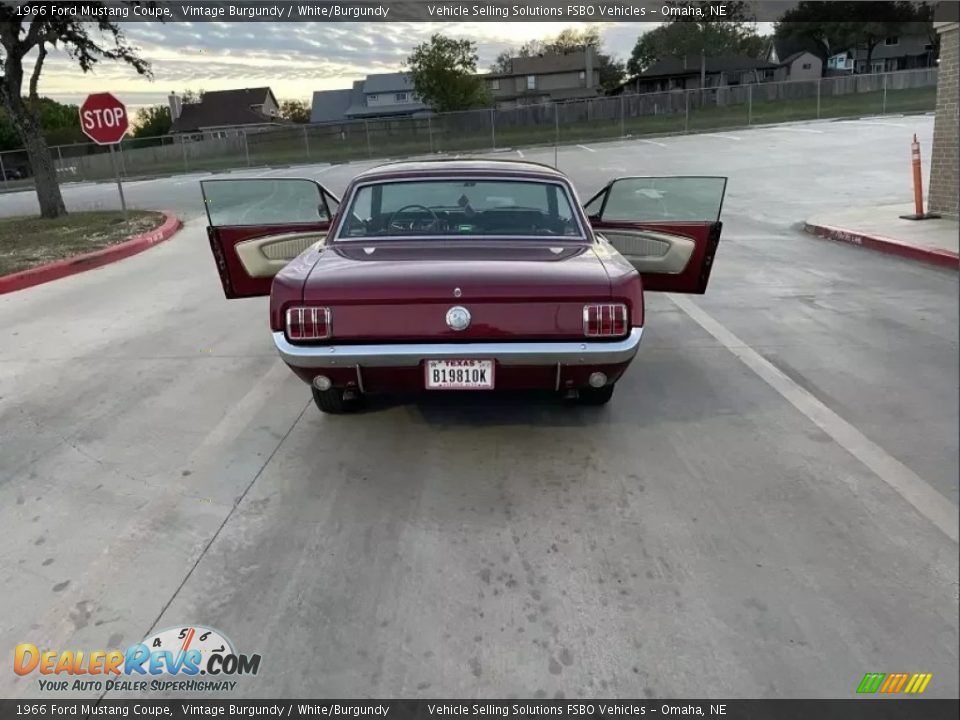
[
  {"x": 90, "y": 260},
  {"x": 943, "y": 258}
]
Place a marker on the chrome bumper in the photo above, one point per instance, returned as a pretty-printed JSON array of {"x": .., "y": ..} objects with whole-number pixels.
[{"x": 587, "y": 352}]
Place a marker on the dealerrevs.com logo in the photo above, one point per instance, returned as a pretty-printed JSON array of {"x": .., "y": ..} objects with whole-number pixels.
[
  {"x": 894, "y": 683},
  {"x": 170, "y": 660}
]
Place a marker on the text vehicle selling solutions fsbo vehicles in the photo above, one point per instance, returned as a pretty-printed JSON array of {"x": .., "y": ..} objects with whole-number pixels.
[{"x": 461, "y": 275}]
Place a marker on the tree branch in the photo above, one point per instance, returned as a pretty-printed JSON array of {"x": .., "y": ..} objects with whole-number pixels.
[{"x": 35, "y": 77}]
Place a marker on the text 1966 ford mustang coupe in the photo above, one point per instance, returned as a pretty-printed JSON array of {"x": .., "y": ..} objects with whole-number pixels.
[{"x": 461, "y": 275}]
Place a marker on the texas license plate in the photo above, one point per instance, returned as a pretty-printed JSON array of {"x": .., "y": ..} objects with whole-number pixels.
[{"x": 459, "y": 374}]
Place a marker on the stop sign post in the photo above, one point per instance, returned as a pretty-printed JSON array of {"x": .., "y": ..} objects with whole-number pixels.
[{"x": 104, "y": 120}]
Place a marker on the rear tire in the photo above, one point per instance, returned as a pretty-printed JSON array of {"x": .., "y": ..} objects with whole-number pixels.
[
  {"x": 331, "y": 401},
  {"x": 596, "y": 396}
]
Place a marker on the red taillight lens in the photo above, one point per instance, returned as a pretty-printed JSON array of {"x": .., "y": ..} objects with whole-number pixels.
[
  {"x": 605, "y": 320},
  {"x": 308, "y": 323}
]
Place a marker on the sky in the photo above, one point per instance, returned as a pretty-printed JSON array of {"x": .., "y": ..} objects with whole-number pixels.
[{"x": 294, "y": 59}]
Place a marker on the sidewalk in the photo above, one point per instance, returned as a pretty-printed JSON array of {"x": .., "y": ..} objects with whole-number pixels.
[{"x": 881, "y": 228}]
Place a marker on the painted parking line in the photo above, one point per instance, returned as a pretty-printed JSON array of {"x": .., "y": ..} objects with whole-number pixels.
[
  {"x": 872, "y": 122},
  {"x": 520, "y": 153},
  {"x": 584, "y": 147},
  {"x": 652, "y": 142},
  {"x": 723, "y": 136},
  {"x": 924, "y": 498},
  {"x": 799, "y": 130}
]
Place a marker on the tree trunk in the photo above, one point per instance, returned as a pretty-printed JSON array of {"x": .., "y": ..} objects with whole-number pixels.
[{"x": 41, "y": 162}]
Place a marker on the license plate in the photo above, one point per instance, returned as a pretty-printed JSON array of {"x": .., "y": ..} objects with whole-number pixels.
[{"x": 459, "y": 374}]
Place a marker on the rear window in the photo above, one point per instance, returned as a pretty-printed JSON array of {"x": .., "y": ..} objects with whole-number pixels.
[{"x": 460, "y": 208}]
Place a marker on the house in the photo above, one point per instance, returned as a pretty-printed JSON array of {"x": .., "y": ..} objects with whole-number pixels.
[
  {"x": 800, "y": 59},
  {"x": 379, "y": 95},
  {"x": 694, "y": 72},
  {"x": 226, "y": 112},
  {"x": 547, "y": 77},
  {"x": 908, "y": 51}
]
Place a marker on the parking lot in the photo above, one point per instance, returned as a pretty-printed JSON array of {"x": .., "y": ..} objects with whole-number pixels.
[{"x": 766, "y": 508}]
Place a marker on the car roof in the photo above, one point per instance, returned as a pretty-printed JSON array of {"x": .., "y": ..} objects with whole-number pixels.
[{"x": 466, "y": 165}]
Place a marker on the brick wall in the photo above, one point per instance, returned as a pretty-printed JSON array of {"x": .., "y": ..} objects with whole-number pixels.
[{"x": 944, "y": 170}]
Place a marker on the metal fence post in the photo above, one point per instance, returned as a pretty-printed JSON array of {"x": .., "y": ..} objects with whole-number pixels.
[
  {"x": 60, "y": 155},
  {"x": 493, "y": 128},
  {"x": 430, "y": 133},
  {"x": 366, "y": 129},
  {"x": 686, "y": 111},
  {"x": 884, "y": 110},
  {"x": 556, "y": 134},
  {"x": 623, "y": 131},
  {"x": 246, "y": 148},
  {"x": 3, "y": 173},
  {"x": 183, "y": 151},
  {"x": 123, "y": 162},
  {"x": 306, "y": 141},
  {"x": 749, "y": 104},
  {"x": 819, "y": 80}
]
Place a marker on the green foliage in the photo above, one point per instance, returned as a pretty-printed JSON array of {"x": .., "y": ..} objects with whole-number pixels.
[
  {"x": 734, "y": 33},
  {"x": 295, "y": 110},
  {"x": 678, "y": 39},
  {"x": 60, "y": 123},
  {"x": 443, "y": 74},
  {"x": 152, "y": 121},
  {"x": 837, "y": 26}
]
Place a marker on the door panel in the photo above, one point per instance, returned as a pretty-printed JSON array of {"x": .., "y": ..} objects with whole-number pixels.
[
  {"x": 668, "y": 228},
  {"x": 258, "y": 225}
]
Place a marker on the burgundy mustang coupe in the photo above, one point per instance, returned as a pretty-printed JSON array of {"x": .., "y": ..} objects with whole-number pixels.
[{"x": 460, "y": 275}]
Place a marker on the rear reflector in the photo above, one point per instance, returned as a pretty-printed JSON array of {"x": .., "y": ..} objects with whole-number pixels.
[
  {"x": 607, "y": 320},
  {"x": 308, "y": 323}
]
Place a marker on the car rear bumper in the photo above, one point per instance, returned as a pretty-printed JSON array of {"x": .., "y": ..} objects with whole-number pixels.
[{"x": 411, "y": 355}]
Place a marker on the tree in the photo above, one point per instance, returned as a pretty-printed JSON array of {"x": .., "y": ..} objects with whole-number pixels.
[
  {"x": 682, "y": 39},
  {"x": 838, "y": 26},
  {"x": 443, "y": 74},
  {"x": 569, "y": 39},
  {"x": 60, "y": 123},
  {"x": 86, "y": 42},
  {"x": 295, "y": 110},
  {"x": 152, "y": 121},
  {"x": 734, "y": 33}
]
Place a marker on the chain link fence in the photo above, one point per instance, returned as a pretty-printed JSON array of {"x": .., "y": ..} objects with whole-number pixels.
[{"x": 552, "y": 124}]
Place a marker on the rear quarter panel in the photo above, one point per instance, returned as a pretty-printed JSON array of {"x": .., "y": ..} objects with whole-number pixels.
[{"x": 625, "y": 282}]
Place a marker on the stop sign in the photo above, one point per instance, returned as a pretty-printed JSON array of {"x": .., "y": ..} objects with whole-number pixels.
[{"x": 103, "y": 118}]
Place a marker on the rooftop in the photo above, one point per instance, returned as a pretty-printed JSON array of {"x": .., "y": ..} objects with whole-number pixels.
[{"x": 225, "y": 108}]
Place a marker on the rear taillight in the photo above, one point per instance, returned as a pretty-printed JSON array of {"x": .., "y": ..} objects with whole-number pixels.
[
  {"x": 308, "y": 323},
  {"x": 605, "y": 320}
]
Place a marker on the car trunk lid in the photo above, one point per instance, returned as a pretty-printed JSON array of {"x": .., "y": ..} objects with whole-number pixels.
[{"x": 402, "y": 290}]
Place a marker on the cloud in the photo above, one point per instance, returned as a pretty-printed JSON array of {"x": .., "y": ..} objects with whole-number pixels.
[{"x": 293, "y": 58}]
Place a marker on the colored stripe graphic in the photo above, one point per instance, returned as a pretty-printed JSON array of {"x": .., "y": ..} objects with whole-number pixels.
[
  {"x": 894, "y": 683},
  {"x": 871, "y": 682},
  {"x": 918, "y": 683},
  {"x": 908, "y": 683}
]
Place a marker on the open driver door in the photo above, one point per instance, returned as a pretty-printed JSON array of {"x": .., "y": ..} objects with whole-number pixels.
[
  {"x": 258, "y": 225},
  {"x": 668, "y": 228}
]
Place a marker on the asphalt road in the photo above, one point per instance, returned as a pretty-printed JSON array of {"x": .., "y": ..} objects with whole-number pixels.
[{"x": 767, "y": 507}]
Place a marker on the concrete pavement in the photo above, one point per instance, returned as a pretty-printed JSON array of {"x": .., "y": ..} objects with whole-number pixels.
[{"x": 720, "y": 529}]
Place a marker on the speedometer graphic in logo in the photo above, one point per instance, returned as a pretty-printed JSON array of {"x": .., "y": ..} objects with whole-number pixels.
[{"x": 204, "y": 640}]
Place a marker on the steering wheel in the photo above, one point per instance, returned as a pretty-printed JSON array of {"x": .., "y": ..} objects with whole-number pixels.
[{"x": 433, "y": 222}]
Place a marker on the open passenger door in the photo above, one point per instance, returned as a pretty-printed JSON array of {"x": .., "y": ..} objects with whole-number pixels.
[
  {"x": 258, "y": 225},
  {"x": 668, "y": 228}
]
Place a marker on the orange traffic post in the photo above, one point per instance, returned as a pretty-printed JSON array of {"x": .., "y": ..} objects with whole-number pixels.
[
  {"x": 917, "y": 175},
  {"x": 917, "y": 183}
]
